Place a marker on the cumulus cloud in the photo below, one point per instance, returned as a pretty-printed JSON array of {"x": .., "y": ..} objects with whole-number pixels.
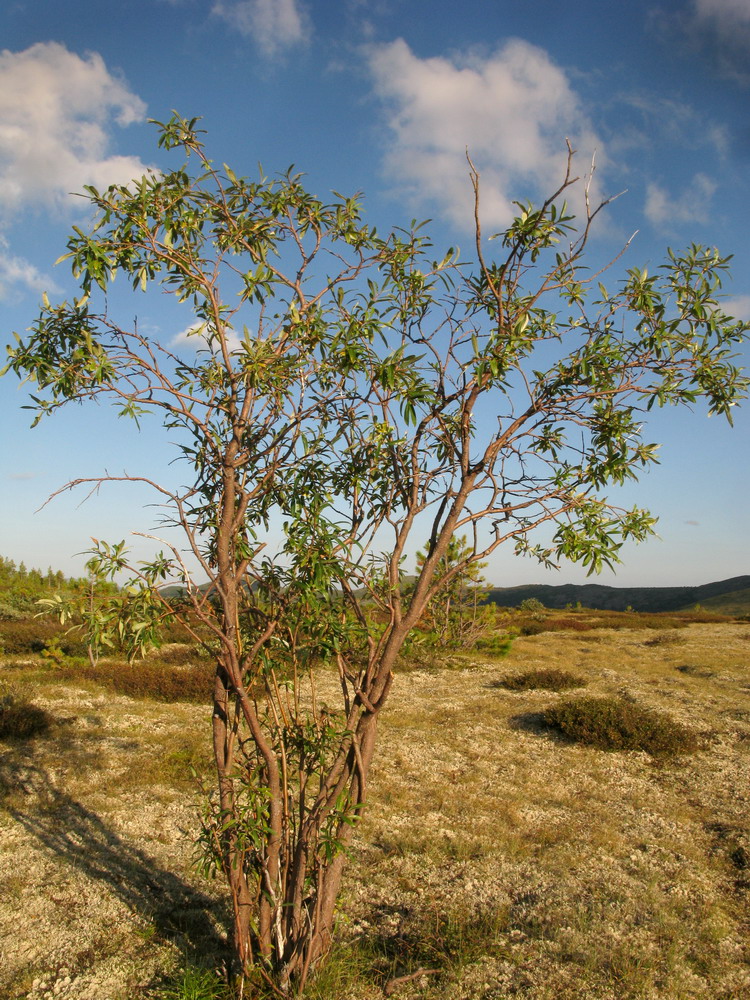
[
  {"x": 56, "y": 109},
  {"x": 17, "y": 274},
  {"x": 692, "y": 205},
  {"x": 513, "y": 110},
  {"x": 273, "y": 25}
]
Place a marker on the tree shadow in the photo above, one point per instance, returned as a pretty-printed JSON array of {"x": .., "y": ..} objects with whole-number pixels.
[{"x": 178, "y": 911}]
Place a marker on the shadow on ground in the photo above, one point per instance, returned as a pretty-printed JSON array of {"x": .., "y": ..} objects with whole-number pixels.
[
  {"x": 533, "y": 722},
  {"x": 77, "y": 836}
]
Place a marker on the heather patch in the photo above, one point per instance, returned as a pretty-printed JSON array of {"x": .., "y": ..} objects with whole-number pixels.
[{"x": 544, "y": 680}]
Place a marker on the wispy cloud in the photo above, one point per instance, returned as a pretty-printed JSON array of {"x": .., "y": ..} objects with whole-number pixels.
[
  {"x": 723, "y": 28},
  {"x": 513, "y": 110},
  {"x": 17, "y": 274},
  {"x": 661, "y": 120},
  {"x": 273, "y": 25},
  {"x": 666, "y": 211},
  {"x": 56, "y": 114}
]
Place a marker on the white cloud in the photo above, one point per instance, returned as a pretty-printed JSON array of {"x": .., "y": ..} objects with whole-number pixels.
[
  {"x": 17, "y": 273},
  {"x": 273, "y": 24},
  {"x": 186, "y": 336},
  {"x": 737, "y": 306},
  {"x": 513, "y": 110},
  {"x": 55, "y": 111},
  {"x": 194, "y": 338},
  {"x": 692, "y": 205}
]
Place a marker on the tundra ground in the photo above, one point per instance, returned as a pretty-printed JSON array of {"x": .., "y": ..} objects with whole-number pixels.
[{"x": 501, "y": 858}]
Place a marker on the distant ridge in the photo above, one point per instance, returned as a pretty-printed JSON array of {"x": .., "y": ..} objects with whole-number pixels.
[{"x": 727, "y": 596}]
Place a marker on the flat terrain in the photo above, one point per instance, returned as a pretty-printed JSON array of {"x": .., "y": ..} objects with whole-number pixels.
[{"x": 509, "y": 860}]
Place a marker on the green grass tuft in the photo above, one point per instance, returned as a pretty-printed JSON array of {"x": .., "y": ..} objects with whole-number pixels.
[{"x": 194, "y": 983}]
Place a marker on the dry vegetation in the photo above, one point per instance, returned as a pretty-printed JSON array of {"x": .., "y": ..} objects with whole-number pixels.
[{"x": 495, "y": 853}]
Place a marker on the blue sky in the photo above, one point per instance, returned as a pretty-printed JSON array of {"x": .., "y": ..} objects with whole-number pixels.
[{"x": 383, "y": 97}]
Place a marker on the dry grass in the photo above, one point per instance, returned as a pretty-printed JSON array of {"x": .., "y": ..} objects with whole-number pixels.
[{"x": 514, "y": 863}]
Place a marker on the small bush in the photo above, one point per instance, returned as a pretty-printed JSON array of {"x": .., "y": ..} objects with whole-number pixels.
[
  {"x": 532, "y": 606},
  {"x": 19, "y": 719},
  {"x": 545, "y": 680},
  {"x": 8, "y": 613},
  {"x": 616, "y": 724},
  {"x": 149, "y": 679}
]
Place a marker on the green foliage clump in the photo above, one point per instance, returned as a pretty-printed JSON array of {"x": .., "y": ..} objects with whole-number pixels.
[
  {"x": 617, "y": 724},
  {"x": 457, "y": 615},
  {"x": 19, "y": 718},
  {"x": 546, "y": 680},
  {"x": 9, "y": 613},
  {"x": 496, "y": 644},
  {"x": 532, "y": 606}
]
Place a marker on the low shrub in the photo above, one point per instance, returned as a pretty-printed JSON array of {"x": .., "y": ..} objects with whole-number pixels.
[
  {"x": 35, "y": 635},
  {"x": 617, "y": 724},
  {"x": 545, "y": 680},
  {"x": 149, "y": 679},
  {"x": 28, "y": 636},
  {"x": 19, "y": 718},
  {"x": 532, "y": 627}
]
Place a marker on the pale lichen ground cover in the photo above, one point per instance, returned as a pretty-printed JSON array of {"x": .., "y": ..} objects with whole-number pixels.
[{"x": 518, "y": 864}]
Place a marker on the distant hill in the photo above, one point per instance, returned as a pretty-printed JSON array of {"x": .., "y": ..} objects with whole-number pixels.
[{"x": 730, "y": 597}]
